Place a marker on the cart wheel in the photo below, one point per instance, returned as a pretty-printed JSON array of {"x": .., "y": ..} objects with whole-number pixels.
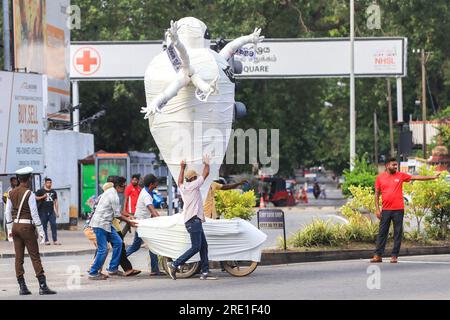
[
  {"x": 240, "y": 268},
  {"x": 187, "y": 270}
]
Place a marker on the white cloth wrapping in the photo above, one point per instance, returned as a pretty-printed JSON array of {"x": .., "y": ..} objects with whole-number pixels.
[
  {"x": 187, "y": 128},
  {"x": 228, "y": 240}
]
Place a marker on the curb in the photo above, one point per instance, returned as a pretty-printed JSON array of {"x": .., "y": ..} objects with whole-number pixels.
[
  {"x": 53, "y": 254},
  {"x": 275, "y": 257}
]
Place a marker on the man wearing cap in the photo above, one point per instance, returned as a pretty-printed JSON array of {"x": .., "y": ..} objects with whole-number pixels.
[
  {"x": 22, "y": 218},
  {"x": 108, "y": 209},
  {"x": 193, "y": 219}
]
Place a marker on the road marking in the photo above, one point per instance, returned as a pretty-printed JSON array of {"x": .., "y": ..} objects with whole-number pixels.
[{"x": 424, "y": 262}]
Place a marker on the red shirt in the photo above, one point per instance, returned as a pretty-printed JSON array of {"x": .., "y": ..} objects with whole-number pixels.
[
  {"x": 391, "y": 189},
  {"x": 131, "y": 198}
]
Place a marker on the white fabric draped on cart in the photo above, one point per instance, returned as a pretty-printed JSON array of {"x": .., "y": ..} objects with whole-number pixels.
[{"x": 235, "y": 239}]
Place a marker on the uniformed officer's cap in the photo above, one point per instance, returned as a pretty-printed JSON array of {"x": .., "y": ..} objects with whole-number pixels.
[{"x": 24, "y": 171}]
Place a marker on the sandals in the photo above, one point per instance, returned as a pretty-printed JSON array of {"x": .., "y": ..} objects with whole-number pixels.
[{"x": 132, "y": 272}]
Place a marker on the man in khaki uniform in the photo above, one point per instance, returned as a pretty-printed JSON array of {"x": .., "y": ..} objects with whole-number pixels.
[
  {"x": 209, "y": 207},
  {"x": 22, "y": 219}
]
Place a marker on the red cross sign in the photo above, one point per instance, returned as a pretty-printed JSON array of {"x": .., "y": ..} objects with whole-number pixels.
[{"x": 87, "y": 61}]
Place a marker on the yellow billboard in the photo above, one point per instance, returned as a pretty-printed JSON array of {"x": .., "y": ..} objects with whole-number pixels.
[{"x": 30, "y": 35}]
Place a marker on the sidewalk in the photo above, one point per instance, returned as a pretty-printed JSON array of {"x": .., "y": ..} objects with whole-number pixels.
[
  {"x": 75, "y": 242},
  {"x": 72, "y": 243}
]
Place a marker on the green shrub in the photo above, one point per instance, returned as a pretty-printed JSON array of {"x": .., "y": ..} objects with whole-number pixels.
[
  {"x": 416, "y": 236},
  {"x": 428, "y": 199},
  {"x": 234, "y": 204},
  {"x": 324, "y": 233},
  {"x": 364, "y": 174},
  {"x": 318, "y": 233},
  {"x": 362, "y": 199},
  {"x": 438, "y": 222}
]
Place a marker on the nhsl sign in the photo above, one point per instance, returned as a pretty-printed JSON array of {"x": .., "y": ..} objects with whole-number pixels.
[
  {"x": 272, "y": 219},
  {"x": 274, "y": 58},
  {"x": 21, "y": 112}
]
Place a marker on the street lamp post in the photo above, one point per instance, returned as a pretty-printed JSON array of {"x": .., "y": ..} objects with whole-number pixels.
[{"x": 352, "y": 87}]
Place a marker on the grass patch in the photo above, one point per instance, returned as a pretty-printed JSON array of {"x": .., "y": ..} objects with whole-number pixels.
[{"x": 357, "y": 234}]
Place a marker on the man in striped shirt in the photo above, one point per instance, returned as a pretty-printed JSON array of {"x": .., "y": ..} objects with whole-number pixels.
[{"x": 107, "y": 209}]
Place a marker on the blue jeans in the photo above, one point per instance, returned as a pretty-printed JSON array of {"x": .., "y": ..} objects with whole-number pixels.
[
  {"x": 136, "y": 245},
  {"x": 103, "y": 237},
  {"x": 47, "y": 217},
  {"x": 199, "y": 244}
]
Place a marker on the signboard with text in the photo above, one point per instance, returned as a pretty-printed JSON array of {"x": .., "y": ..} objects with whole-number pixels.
[
  {"x": 317, "y": 58},
  {"x": 272, "y": 219},
  {"x": 274, "y": 58},
  {"x": 21, "y": 113}
]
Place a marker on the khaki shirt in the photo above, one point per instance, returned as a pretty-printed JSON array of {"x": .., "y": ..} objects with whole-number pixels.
[{"x": 209, "y": 207}]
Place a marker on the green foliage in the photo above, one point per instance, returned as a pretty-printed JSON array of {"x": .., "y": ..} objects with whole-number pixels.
[
  {"x": 318, "y": 233},
  {"x": 438, "y": 222},
  {"x": 430, "y": 199},
  {"x": 362, "y": 199},
  {"x": 363, "y": 175},
  {"x": 296, "y": 107},
  {"x": 424, "y": 196},
  {"x": 443, "y": 114},
  {"x": 361, "y": 230},
  {"x": 324, "y": 233},
  {"x": 233, "y": 204}
]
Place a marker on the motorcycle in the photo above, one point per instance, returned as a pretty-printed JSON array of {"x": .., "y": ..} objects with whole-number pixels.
[
  {"x": 235, "y": 243},
  {"x": 158, "y": 200}
]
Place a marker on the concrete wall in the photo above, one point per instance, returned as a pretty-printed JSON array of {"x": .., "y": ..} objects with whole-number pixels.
[{"x": 63, "y": 149}]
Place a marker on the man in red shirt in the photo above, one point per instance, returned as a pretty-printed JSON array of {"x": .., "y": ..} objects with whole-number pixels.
[
  {"x": 390, "y": 185},
  {"x": 131, "y": 194}
]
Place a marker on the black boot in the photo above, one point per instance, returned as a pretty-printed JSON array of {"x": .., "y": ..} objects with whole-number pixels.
[
  {"x": 23, "y": 286},
  {"x": 43, "y": 289}
]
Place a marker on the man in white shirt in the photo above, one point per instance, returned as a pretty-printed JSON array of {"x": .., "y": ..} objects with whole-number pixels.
[
  {"x": 193, "y": 219},
  {"x": 146, "y": 210}
]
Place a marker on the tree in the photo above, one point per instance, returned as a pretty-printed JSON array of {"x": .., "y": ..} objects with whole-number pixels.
[
  {"x": 424, "y": 196},
  {"x": 310, "y": 132}
]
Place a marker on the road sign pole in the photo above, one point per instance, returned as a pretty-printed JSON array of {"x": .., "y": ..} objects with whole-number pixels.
[
  {"x": 284, "y": 232},
  {"x": 257, "y": 218},
  {"x": 76, "y": 104}
]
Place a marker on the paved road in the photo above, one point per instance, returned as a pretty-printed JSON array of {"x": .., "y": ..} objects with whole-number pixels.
[{"x": 424, "y": 277}]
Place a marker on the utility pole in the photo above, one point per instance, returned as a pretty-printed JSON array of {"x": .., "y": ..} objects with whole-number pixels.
[
  {"x": 424, "y": 103},
  {"x": 6, "y": 36},
  {"x": 400, "y": 156},
  {"x": 375, "y": 137},
  {"x": 391, "y": 124},
  {"x": 352, "y": 87}
]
